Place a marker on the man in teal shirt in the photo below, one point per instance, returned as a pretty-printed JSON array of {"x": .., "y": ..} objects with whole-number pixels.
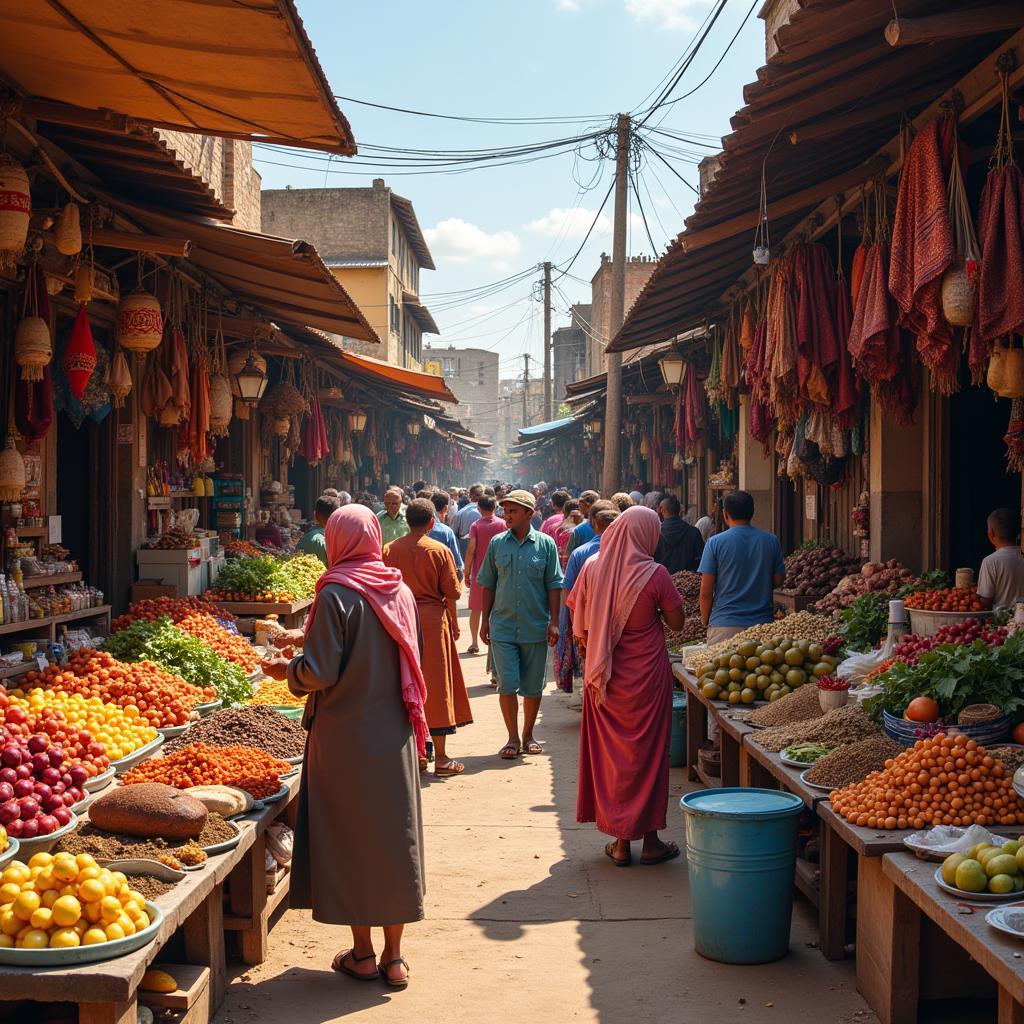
[
  {"x": 392, "y": 517},
  {"x": 521, "y": 581},
  {"x": 313, "y": 541}
]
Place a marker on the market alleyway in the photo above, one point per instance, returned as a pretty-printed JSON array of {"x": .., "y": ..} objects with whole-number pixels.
[{"x": 526, "y": 919}]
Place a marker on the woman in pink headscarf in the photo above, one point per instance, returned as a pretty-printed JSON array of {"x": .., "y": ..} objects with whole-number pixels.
[
  {"x": 359, "y": 840},
  {"x": 619, "y": 601}
]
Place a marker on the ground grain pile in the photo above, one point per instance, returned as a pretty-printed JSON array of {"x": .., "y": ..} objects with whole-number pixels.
[
  {"x": 797, "y": 706},
  {"x": 837, "y": 728},
  {"x": 854, "y": 762}
]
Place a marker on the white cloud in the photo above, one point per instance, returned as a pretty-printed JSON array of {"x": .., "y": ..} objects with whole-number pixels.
[
  {"x": 457, "y": 241},
  {"x": 567, "y": 5},
  {"x": 570, "y": 224},
  {"x": 670, "y": 14}
]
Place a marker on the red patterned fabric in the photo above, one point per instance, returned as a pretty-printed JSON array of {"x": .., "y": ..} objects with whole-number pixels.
[
  {"x": 817, "y": 350},
  {"x": 1001, "y": 275},
  {"x": 79, "y": 359}
]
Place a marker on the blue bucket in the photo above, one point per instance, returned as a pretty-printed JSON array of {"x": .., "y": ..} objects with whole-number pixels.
[
  {"x": 677, "y": 749},
  {"x": 741, "y": 854}
]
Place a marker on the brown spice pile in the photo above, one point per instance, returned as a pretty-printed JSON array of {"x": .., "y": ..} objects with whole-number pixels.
[
  {"x": 1012, "y": 757},
  {"x": 797, "y": 706},
  {"x": 254, "y": 726},
  {"x": 840, "y": 727},
  {"x": 150, "y": 886},
  {"x": 854, "y": 762},
  {"x": 87, "y": 838}
]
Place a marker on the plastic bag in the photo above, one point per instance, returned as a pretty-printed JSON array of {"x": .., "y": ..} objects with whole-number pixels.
[{"x": 855, "y": 668}]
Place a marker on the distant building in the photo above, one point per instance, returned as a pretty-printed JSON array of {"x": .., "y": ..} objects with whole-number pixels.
[
  {"x": 514, "y": 412},
  {"x": 775, "y": 14},
  {"x": 638, "y": 270},
  {"x": 569, "y": 350},
  {"x": 372, "y": 242},
  {"x": 472, "y": 375}
]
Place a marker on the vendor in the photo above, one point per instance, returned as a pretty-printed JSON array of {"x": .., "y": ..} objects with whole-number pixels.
[
  {"x": 1001, "y": 579},
  {"x": 313, "y": 542}
]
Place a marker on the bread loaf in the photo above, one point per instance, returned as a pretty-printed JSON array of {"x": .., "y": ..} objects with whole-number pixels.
[
  {"x": 224, "y": 800},
  {"x": 149, "y": 810}
]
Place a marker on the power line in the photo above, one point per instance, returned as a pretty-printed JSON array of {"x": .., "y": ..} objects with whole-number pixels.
[
  {"x": 556, "y": 119},
  {"x": 564, "y": 268},
  {"x": 643, "y": 215},
  {"x": 694, "y": 190}
]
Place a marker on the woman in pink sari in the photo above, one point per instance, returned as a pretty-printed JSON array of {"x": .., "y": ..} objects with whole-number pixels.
[{"x": 618, "y": 604}]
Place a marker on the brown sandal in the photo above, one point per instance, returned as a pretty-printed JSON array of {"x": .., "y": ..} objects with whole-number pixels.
[
  {"x": 338, "y": 964},
  {"x": 451, "y": 768},
  {"x": 396, "y": 982}
]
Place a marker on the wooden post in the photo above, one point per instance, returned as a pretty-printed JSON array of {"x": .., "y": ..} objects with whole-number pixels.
[
  {"x": 835, "y": 858},
  {"x": 204, "y": 942},
  {"x": 549, "y": 407}
]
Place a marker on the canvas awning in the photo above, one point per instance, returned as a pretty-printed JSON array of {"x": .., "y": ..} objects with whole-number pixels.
[
  {"x": 238, "y": 70},
  {"x": 283, "y": 277},
  {"x": 396, "y": 378},
  {"x": 815, "y": 119},
  {"x": 420, "y": 313}
]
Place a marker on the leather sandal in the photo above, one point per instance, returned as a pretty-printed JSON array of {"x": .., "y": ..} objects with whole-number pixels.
[
  {"x": 395, "y": 982},
  {"x": 338, "y": 964}
]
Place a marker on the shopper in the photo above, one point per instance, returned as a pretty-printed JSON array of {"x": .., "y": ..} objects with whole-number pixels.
[
  {"x": 312, "y": 542},
  {"x": 1001, "y": 579},
  {"x": 359, "y": 799},
  {"x": 680, "y": 546},
  {"x": 442, "y": 532},
  {"x": 553, "y": 521},
  {"x": 392, "y": 517},
  {"x": 467, "y": 515},
  {"x": 521, "y": 581},
  {"x": 573, "y": 517},
  {"x": 739, "y": 570},
  {"x": 584, "y": 531},
  {"x": 480, "y": 534},
  {"x": 619, "y": 603},
  {"x": 705, "y": 526},
  {"x": 428, "y": 569}
]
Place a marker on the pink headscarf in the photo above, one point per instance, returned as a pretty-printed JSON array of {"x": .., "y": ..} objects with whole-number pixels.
[
  {"x": 353, "y": 539},
  {"x": 609, "y": 585}
]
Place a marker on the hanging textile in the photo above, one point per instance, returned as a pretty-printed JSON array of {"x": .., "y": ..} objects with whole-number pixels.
[
  {"x": 1014, "y": 438},
  {"x": 79, "y": 359},
  {"x": 817, "y": 349},
  {"x": 33, "y": 406},
  {"x": 781, "y": 344},
  {"x": 923, "y": 249},
  {"x": 730, "y": 363},
  {"x": 847, "y": 389}
]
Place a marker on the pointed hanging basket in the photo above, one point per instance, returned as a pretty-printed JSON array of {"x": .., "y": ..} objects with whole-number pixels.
[
  {"x": 959, "y": 289},
  {"x": 140, "y": 322},
  {"x": 68, "y": 233},
  {"x": 119, "y": 379},
  {"x": 79, "y": 359},
  {"x": 85, "y": 282},
  {"x": 12, "y": 473},
  {"x": 220, "y": 405},
  {"x": 33, "y": 349},
  {"x": 15, "y": 210}
]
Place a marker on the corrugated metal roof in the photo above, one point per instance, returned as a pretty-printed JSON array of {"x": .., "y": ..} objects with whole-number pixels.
[{"x": 840, "y": 90}]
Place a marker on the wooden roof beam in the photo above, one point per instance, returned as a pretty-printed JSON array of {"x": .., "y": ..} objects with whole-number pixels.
[{"x": 938, "y": 28}]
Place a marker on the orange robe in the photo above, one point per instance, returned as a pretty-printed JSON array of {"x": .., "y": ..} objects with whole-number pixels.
[{"x": 429, "y": 571}]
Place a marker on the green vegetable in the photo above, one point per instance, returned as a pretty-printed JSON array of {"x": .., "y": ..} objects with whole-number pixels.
[
  {"x": 807, "y": 753},
  {"x": 933, "y": 579},
  {"x": 865, "y": 622},
  {"x": 263, "y": 575},
  {"x": 302, "y": 573},
  {"x": 955, "y": 675},
  {"x": 184, "y": 655}
]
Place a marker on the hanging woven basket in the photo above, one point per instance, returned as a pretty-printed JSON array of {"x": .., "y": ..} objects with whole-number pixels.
[
  {"x": 119, "y": 379},
  {"x": 33, "y": 348},
  {"x": 1012, "y": 383},
  {"x": 284, "y": 400},
  {"x": 220, "y": 405},
  {"x": 959, "y": 295},
  {"x": 12, "y": 473},
  {"x": 68, "y": 233},
  {"x": 15, "y": 210},
  {"x": 140, "y": 322},
  {"x": 85, "y": 283}
]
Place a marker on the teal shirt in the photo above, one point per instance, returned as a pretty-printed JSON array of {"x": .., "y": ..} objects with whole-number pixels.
[
  {"x": 521, "y": 576},
  {"x": 313, "y": 543},
  {"x": 392, "y": 529}
]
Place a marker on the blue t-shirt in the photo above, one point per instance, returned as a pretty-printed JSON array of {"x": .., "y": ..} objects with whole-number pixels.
[
  {"x": 576, "y": 560},
  {"x": 743, "y": 560},
  {"x": 442, "y": 533}
]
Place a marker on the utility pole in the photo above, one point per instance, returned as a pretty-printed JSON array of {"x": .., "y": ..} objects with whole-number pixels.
[
  {"x": 549, "y": 409},
  {"x": 526, "y": 388},
  {"x": 612, "y": 475}
]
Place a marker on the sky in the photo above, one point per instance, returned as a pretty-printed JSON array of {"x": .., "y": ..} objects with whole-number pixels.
[{"x": 581, "y": 59}]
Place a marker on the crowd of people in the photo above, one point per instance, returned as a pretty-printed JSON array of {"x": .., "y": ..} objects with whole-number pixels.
[{"x": 550, "y": 569}]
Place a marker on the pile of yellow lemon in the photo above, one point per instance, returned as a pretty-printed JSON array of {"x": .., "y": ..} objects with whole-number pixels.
[
  {"x": 58, "y": 901},
  {"x": 120, "y": 730}
]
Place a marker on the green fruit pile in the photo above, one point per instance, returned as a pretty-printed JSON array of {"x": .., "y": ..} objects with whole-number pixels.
[
  {"x": 987, "y": 868},
  {"x": 764, "y": 671}
]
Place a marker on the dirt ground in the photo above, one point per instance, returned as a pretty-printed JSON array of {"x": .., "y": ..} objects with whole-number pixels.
[{"x": 526, "y": 918}]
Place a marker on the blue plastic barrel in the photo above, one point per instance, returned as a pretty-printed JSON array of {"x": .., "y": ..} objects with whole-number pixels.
[
  {"x": 677, "y": 749},
  {"x": 741, "y": 853}
]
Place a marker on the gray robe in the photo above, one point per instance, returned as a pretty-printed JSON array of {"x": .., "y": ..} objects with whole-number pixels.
[{"x": 358, "y": 856}]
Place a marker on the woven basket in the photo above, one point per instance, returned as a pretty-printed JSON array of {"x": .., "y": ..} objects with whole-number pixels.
[
  {"x": 32, "y": 347},
  {"x": 119, "y": 379},
  {"x": 959, "y": 295},
  {"x": 12, "y": 473},
  {"x": 15, "y": 209},
  {"x": 908, "y": 733},
  {"x": 1012, "y": 384},
  {"x": 974, "y": 714},
  {"x": 85, "y": 282},
  {"x": 68, "y": 233},
  {"x": 140, "y": 323},
  {"x": 220, "y": 405}
]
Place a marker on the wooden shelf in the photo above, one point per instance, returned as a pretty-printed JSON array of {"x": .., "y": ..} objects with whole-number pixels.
[
  {"x": 31, "y": 625},
  {"x": 51, "y": 581},
  {"x": 808, "y": 880},
  {"x": 32, "y": 531},
  {"x": 13, "y": 671}
]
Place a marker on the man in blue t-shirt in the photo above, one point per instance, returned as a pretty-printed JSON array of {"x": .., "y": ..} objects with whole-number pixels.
[{"x": 739, "y": 570}]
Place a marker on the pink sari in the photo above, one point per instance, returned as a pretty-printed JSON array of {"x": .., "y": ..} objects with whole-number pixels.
[{"x": 353, "y": 539}]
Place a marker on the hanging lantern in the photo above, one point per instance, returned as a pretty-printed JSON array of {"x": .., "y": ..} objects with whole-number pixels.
[
  {"x": 69, "y": 231},
  {"x": 32, "y": 347},
  {"x": 12, "y": 473},
  {"x": 249, "y": 381},
  {"x": 85, "y": 282},
  {"x": 645, "y": 447},
  {"x": 79, "y": 359},
  {"x": 220, "y": 405},
  {"x": 237, "y": 361},
  {"x": 414, "y": 428},
  {"x": 140, "y": 322},
  {"x": 15, "y": 209},
  {"x": 673, "y": 369},
  {"x": 357, "y": 422},
  {"x": 119, "y": 379}
]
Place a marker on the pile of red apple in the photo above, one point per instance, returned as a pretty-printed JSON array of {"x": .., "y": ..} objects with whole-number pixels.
[{"x": 37, "y": 788}]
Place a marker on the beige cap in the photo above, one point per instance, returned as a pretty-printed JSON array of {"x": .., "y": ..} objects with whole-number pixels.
[{"x": 520, "y": 497}]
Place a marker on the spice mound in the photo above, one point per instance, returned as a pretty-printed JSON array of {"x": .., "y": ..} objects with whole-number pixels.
[
  {"x": 276, "y": 692},
  {"x": 201, "y": 765},
  {"x": 837, "y": 728},
  {"x": 854, "y": 762},
  {"x": 255, "y": 726},
  {"x": 797, "y": 706}
]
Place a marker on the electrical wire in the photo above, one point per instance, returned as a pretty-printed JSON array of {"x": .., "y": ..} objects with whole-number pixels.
[
  {"x": 563, "y": 269},
  {"x": 556, "y": 119},
  {"x": 651, "y": 148}
]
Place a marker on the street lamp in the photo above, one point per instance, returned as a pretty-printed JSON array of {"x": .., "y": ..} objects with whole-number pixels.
[
  {"x": 673, "y": 369},
  {"x": 251, "y": 380},
  {"x": 414, "y": 428},
  {"x": 357, "y": 422}
]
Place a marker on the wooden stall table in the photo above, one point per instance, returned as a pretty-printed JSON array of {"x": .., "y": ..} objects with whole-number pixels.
[
  {"x": 699, "y": 709},
  {"x": 766, "y": 770},
  {"x": 291, "y": 615},
  {"x": 908, "y": 921},
  {"x": 105, "y": 992}
]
